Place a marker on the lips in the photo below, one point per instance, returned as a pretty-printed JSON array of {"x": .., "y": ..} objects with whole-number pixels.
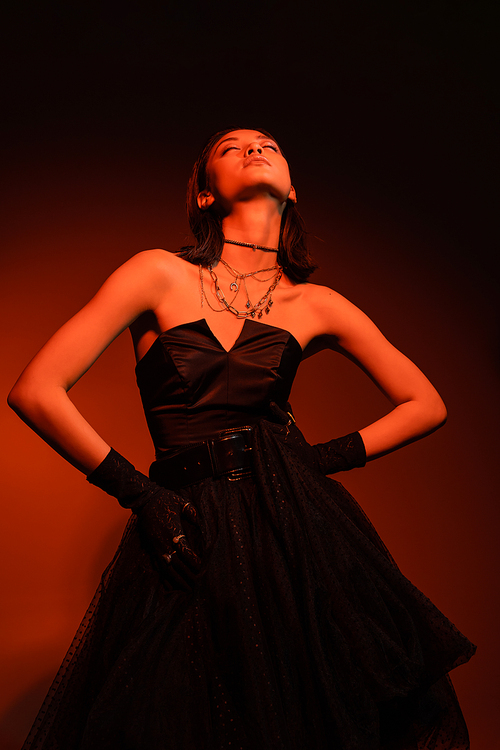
[{"x": 256, "y": 159}]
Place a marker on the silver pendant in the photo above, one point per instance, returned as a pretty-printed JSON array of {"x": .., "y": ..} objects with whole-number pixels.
[{"x": 233, "y": 286}]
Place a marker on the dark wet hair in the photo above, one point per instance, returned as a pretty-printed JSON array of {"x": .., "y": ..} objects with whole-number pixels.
[{"x": 206, "y": 226}]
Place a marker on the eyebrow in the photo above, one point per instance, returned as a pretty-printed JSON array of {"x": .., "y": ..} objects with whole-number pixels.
[{"x": 234, "y": 138}]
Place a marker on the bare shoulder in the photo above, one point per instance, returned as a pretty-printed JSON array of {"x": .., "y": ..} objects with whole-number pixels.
[
  {"x": 153, "y": 262},
  {"x": 332, "y": 313},
  {"x": 319, "y": 296},
  {"x": 149, "y": 273}
]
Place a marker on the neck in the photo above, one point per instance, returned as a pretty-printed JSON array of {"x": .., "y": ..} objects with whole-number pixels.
[{"x": 256, "y": 222}]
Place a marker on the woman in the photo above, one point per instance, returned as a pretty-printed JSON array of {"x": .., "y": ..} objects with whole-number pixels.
[{"x": 251, "y": 603}]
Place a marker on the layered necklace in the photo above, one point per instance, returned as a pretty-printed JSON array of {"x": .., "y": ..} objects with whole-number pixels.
[{"x": 251, "y": 309}]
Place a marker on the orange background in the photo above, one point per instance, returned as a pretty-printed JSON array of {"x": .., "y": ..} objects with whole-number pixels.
[
  {"x": 435, "y": 503},
  {"x": 394, "y": 186}
]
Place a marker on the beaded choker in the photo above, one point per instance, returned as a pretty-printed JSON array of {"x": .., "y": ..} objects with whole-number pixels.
[{"x": 254, "y": 247}]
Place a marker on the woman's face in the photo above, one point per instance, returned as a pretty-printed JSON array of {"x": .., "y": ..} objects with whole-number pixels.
[{"x": 242, "y": 165}]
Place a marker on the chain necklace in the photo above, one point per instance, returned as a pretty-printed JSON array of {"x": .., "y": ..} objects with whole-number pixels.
[
  {"x": 234, "y": 286},
  {"x": 263, "y": 305},
  {"x": 251, "y": 244}
]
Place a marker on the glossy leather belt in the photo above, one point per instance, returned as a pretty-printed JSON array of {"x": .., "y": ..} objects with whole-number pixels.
[{"x": 229, "y": 455}]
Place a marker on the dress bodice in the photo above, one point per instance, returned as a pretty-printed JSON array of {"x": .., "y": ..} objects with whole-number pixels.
[{"x": 192, "y": 388}]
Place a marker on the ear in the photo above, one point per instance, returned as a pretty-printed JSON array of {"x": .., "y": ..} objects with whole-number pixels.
[
  {"x": 292, "y": 195},
  {"x": 205, "y": 199}
]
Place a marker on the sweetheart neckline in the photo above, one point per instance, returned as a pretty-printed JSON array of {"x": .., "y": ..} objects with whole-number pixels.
[{"x": 204, "y": 322}]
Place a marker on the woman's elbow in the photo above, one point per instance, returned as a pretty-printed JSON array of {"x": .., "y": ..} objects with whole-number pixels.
[
  {"x": 18, "y": 399},
  {"x": 24, "y": 398},
  {"x": 438, "y": 413},
  {"x": 429, "y": 412}
]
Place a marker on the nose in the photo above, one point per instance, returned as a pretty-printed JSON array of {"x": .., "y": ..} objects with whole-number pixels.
[{"x": 253, "y": 148}]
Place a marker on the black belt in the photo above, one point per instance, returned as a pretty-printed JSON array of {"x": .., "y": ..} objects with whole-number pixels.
[{"x": 229, "y": 455}]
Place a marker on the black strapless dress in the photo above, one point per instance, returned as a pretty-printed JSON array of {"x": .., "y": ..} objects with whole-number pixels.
[{"x": 301, "y": 632}]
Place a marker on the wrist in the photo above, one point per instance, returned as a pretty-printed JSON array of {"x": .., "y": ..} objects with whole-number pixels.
[
  {"x": 341, "y": 454},
  {"x": 119, "y": 478}
]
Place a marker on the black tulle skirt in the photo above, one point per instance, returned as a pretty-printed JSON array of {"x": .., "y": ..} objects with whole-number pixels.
[{"x": 301, "y": 633}]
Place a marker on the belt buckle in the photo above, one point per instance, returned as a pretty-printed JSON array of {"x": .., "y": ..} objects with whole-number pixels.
[
  {"x": 231, "y": 430},
  {"x": 234, "y": 475},
  {"x": 237, "y": 474}
]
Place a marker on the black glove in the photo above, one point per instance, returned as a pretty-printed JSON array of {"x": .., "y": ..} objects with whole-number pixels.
[
  {"x": 339, "y": 454},
  {"x": 159, "y": 512}
]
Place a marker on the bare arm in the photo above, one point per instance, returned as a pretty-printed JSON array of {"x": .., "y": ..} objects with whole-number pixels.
[
  {"x": 40, "y": 396},
  {"x": 418, "y": 408}
]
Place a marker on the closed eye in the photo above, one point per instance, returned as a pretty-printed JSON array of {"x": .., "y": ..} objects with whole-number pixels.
[{"x": 272, "y": 146}]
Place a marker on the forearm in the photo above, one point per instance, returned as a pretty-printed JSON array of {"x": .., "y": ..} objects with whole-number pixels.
[
  {"x": 53, "y": 416},
  {"x": 406, "y": 423}
]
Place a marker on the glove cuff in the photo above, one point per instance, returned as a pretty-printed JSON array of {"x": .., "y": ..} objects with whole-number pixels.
[
  {"x": 119, "y": 478},
  {"x": 341, "y": 454}
]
